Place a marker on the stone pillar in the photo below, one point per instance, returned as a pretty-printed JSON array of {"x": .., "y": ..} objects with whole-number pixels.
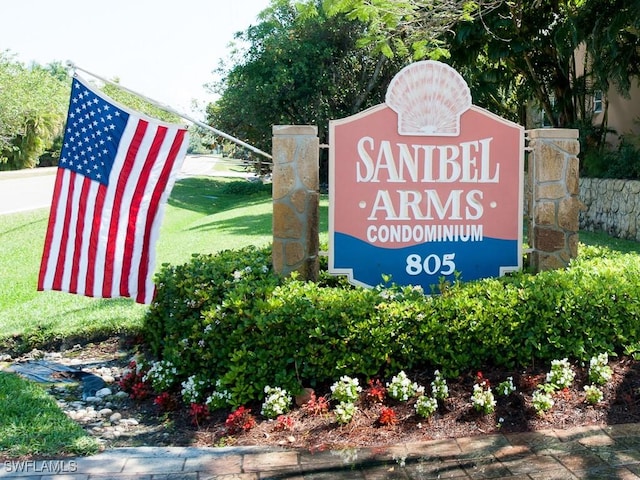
[
  {"x": 296, "y": 200},
  {"x": 554, "y": 206}
]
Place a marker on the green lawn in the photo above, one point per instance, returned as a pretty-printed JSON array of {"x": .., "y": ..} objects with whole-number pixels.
[
  {"x": 32, "y": 424},
  {"x": 203, "y": 215}
]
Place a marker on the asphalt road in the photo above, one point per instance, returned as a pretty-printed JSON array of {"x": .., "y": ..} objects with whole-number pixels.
[
  {"x": 26, "y": 190},
  {"x": 32, "y": 189}
]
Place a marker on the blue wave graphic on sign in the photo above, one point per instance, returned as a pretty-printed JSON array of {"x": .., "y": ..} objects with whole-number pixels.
[{"x": 474, "y": 259}]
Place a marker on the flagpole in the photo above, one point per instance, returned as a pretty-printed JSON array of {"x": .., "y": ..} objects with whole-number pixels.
[{"x": 169, "y": 109}]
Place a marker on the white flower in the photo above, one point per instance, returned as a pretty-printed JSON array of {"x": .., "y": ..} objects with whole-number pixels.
[
  {"x": 593, "y": 394},
  {"x": 482, "y": 398},
  {"x": 426, "y": 406},
  {"x": 192, "y": 389},
  {"x": 542, "y": 401},
  {"x": 401, "y": 388},
  {"x": 506, "y": 388},
  {"x": 219, "y": 398},
  {"x": 344, "y": 412},
  {"x": 439, "y": 386},
  {"x": 346, "y": 389},
  {"x": 561, "y": 374},
  {"x": 599, "y": 372},
  {"x": 162, "y": 375},
  {"x": 276, "y": 402}
]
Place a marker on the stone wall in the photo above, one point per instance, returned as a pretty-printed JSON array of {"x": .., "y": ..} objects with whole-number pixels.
[
  {"x": 295, "y": 200},
  {"x": 552, "y": 194},
  {"x": 612, "y": 206}
]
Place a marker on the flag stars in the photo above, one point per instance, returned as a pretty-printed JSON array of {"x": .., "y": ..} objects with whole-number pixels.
[{"x": 93, "y": 130}]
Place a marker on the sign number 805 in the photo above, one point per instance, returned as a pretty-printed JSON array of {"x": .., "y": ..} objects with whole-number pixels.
[{"x": 431, "y": 265}]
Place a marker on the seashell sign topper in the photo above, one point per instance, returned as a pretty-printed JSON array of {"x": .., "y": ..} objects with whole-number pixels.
[{"x": 425, "y": 186}]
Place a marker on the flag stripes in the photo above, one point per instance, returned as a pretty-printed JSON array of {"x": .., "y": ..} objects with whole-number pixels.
[{"x": 102, "y": 232}]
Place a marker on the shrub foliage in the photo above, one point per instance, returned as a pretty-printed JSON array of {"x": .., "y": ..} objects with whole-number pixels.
[{"x": 229, "y": 318}]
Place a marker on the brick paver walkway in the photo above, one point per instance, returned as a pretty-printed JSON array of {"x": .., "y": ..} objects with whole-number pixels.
[{"x": 611, "y": 452}]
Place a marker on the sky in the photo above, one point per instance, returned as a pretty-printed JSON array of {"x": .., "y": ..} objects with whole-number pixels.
[{"x": 165, "y": 50}]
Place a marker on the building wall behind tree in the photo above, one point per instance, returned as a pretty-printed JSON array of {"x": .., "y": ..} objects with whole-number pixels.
[{"x": 624, "y": 113}]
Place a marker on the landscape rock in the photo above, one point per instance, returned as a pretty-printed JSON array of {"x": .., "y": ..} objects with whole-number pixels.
[
  {"x": 115, "y": 418},
  {"x": 105, "y": 412},
  {"x": 103, "y": 392}
]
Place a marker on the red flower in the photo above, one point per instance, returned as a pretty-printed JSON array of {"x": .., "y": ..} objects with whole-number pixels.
[
  {"x": 283, "y": 422},
  {"x": 316, "y": 406},
  {"x": 133, "y": 383},
  {"x": 483, "y": 382},
  {"x": 376, "y": 391},
  {"x": 240, "y": 420},
  {"x": 166, "y": 402},
  {"x": 140, "y": 391},
  {"x": 387, "y": 416},
  {"x": 198, "y": 413}
]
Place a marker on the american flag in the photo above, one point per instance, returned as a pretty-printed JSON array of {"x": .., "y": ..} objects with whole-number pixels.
[{"x": 114, "y": 176}]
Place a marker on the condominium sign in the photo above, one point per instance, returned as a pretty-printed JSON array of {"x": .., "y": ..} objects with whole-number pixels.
[{"x": 425, "y": 185}]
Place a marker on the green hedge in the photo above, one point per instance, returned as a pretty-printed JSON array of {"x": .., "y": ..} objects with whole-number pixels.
[{"x": 228, "y": 317}]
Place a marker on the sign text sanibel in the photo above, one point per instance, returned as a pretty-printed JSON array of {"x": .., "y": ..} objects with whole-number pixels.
[{"x": 465, "y": 162}]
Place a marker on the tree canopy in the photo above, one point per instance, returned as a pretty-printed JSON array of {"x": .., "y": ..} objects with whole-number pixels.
[
  {"x": 33, "y": 107},
  {"x": 298, "y": 65},
  {"x": 308, "y": 61},
  {"x": 34, "y": 104}
]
